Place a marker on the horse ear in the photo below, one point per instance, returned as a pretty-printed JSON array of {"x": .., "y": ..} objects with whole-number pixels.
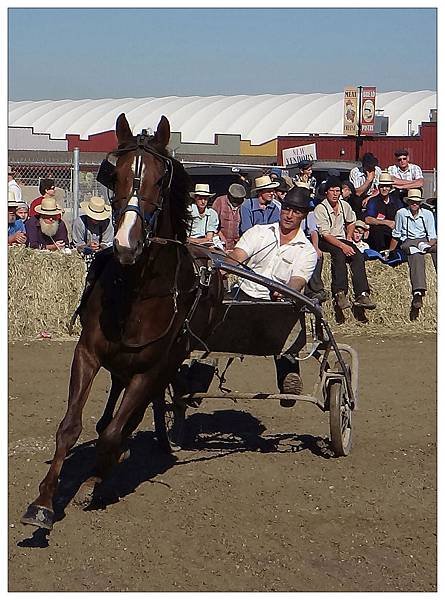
[
  {"x": 162, "y": 135},
  {"x": 123, "y": 131}
]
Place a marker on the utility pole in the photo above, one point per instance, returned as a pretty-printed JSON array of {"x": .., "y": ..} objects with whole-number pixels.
[{"x": 358, "y": 139}]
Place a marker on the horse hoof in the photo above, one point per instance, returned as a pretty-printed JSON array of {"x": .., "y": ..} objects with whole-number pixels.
[
  {"x": 84, "y": 495},
  {"x": 39, "y": 516}
]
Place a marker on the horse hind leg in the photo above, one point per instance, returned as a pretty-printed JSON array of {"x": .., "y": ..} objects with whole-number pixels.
[
  {"x": 40, "y": 513},
  {"x": 106, "y": 418}
]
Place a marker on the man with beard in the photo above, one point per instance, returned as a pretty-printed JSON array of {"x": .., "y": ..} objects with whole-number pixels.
[
  {"x": 46, "y": 230},
  {"x": 227, "y": 207}
]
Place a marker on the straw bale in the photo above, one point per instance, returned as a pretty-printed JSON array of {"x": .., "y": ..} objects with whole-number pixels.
[{"x": 45, "y": 288}]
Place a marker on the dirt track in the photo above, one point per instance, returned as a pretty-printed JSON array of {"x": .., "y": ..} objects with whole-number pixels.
[{"x": 256, "y": 504}]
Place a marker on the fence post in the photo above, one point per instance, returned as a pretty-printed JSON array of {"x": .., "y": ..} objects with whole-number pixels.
[{"x": 76, "y": 161}]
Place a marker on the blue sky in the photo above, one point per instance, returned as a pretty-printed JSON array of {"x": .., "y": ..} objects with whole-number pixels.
[{"x": 116, "y": 53}]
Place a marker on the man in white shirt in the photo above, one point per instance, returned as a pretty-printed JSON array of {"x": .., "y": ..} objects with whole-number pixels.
[
  {"x": 13, "y": 186},
  {"x": 281, "y": 252},
  {"x": 336, "y": 219},
  {"x": 415, "y": 231},
  {"x": 366, "y": 179},
  {"x": 406, "y": 175}
]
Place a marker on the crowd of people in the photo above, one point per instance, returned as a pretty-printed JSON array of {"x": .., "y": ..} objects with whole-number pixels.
[{"x": 375, "y": 214}]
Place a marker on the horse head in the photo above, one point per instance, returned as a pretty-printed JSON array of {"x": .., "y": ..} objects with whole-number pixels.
[{"x": 142, "y": 178}]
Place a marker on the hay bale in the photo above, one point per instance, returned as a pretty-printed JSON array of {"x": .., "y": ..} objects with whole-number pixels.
[{"x": 45, "y": 288}]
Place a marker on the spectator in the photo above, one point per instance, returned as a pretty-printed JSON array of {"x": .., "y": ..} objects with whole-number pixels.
[
  {"x": 282, "y": 189},
  {"x": 315, "y": 287},
  {"x": 304, "y": 174},
  {"x": 22, "y": 211},
  {"x": 204, "y": 221},
  {"x": 264, "y": 208},
  {"x": 93, "y": 231},
  {"x": 244, "y": 180},
  {"x": 406, "y": 175},
  {"x": 16, "y": 227},
  {"x": 359, "y": 234},
  {"x": 13, "y": 186},
  {"x": 381, "y": 213},
  {"x": 46, "y": 230},
  {"x": 335, "y": 220},
  {"x": 281, "y": 252},
  {"x": 46, "y": 188},
  {"x": 365, "y": 178},
  {"x": 228, "y": 210},
  {"x": 348, "y": 193},
  {"x": 415, "y": 232}
]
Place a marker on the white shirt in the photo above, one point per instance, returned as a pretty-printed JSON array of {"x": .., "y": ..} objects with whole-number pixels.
[
  {"x": 412, "y": 173},
  {"x": 331, "y": 223},
  {"x": 279, "y": 263},
  {"x": 358, "y": 177},
  {"x": 14, "y": 187},
  {"x": 202, "y": 224}
]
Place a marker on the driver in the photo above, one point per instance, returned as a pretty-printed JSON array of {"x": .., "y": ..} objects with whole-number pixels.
[{"x": 281, "y": 252}]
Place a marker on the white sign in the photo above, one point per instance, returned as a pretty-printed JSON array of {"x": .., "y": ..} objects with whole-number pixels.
[{"x": 292, "y": 156}]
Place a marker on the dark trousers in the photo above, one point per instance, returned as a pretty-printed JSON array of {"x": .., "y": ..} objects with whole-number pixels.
[
  {"x": 315, "y": 283},
  {"x": 379, "y": 237},
  {"x": 339, "y": 270},
  {"x": 416, "y": 263}
]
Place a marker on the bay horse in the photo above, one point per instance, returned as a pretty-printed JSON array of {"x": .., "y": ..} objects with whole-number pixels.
[{"x": 141, "y": 313}]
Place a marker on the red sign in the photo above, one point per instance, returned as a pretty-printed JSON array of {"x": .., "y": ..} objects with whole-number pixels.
[{"x": 367, "y": 111}]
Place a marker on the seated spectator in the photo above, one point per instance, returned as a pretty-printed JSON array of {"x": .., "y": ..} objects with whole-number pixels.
[
  {"x": 415, "y": 233},
  {"x": 282, "y": 189},
  {"x": 13, "y": 186},
  {"x": 228, "y": 210},
  {"x": 93, "y": 231},
  {"x": 380, "y": 214},
  {"x": 348, "y": 194},
  {"x": 315, "y": 286},
  {"x": 335, "y": 220},
  {"x": 359, "y": 234},
  {"x": 22, "y": 211},
  {"x": 16, "y": 227},
  {"x": 406, "y": 175},
  {"x": 365, "y": 178},
  {"x": 46, "y": 230},
  {"x": 204, "y": 221},
  {"x": 264, "y": 208},
  {"x": 304, "y": 175},
  {"x": 46, "y": 188}
]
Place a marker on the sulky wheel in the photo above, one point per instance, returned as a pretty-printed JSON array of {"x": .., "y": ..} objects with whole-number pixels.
[
  {"x": 340, "y": 418},
  {"x": 169, "y": 421}
]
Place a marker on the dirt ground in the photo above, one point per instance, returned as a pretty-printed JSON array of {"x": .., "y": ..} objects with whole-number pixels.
[{"x": 256, "y": 503}]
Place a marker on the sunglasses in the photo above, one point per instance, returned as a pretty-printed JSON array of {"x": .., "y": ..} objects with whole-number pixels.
[
  {"x": 399, "y": 158},
  {"x": 384, "y": 185}
]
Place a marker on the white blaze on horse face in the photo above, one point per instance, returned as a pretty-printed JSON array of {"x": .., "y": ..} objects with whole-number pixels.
[{"x": 123, "y": 234}]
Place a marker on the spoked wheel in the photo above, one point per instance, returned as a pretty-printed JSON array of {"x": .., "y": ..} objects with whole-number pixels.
[
  {"x": 169, "y": 420},
  {"x": 340, "y": 418}
]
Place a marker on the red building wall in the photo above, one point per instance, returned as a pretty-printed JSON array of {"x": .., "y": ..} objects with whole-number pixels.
[
  {"x": 422, "y": 148},
  {"x": 98, "y": 142}
]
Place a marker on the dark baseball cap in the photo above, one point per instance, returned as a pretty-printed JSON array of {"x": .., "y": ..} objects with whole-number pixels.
[
  {"x": 297, "y": 197},
  {"x": 332, "y": 182}
]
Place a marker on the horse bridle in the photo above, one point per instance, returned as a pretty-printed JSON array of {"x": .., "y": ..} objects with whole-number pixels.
[{"x": 106, "y": 177}]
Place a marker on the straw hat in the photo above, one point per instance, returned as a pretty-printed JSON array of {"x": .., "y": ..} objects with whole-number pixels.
[
  {"x": 414, "y": 194},
  {"x": 202, "y": 189},
  {"x": 12, "y": 202},
  {"x": 48, "y": 207},
  {"x": 265, "y": 183},
  {"x": 96, "y": 209},
  {"x": 302, "y": 184},
  {"x": 385, "y": 178},
  {"x": 361, "y": 224}
]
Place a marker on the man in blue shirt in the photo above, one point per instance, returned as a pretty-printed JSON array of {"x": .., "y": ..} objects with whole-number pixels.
[
  {"x": 16, "y": 227},
  {"x": 263, "y": 209},
  {"x": 204, "y": 221},
  {"x": 415, "y": 232},
  {"x": 380, "y": 213}
]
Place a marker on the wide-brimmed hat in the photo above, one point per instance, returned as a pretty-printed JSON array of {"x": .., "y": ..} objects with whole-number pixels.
[
  {"x": 284, "y": 186},
  {"x": 202, "y": 189},
  {"x": 48, "y": 207},
  {"x": 12, "y": 202},
  {"x": 385, "y": 178},
  {"x": 236, "y": 190},
  {"x": 361, "y": 224},
  {"x": 265, "y": 183},
  {"x": 96, "y": 208},
  {"x": 414, "y": 194},
  {"x": 297, "y": 197}
]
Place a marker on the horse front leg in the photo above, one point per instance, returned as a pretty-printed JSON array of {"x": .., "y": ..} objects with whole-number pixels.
[
  {"x": 83, "y": 370},
  {"x": 106, "y": 418}
]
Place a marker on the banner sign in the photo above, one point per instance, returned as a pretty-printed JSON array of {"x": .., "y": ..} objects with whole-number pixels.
[
  {"x": 350, "y": 112},
  {"x": 367, "y": 111},
  {"x": 292, "y": 156}
]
